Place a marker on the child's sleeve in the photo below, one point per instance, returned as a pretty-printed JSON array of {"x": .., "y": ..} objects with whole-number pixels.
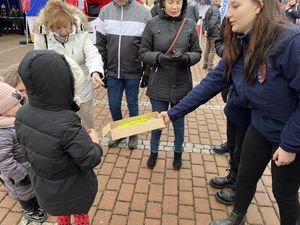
[
  {"x": 9, "y": 167},
  {"x": 85, "y": 153}
]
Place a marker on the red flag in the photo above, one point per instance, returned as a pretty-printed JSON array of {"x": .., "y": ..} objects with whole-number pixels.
[
  {"x": 25, "y": 5},
  {"x": 72, "y": 2}
]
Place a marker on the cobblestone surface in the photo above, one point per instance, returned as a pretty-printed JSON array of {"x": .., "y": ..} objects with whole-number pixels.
[{"x": 129, "y": 193}]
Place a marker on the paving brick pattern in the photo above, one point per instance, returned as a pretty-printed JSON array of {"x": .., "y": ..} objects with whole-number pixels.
[{"x": 129, "y": 193}]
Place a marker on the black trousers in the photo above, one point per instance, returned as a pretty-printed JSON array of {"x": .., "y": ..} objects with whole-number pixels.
[
  {"x": 30, "y": 205},
  {"x": 257, "y": 152},
  {"x": 235, "y": 139}
]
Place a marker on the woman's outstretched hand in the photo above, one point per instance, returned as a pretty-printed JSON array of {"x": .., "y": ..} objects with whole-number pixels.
[
  {"x": 283, "y": 158},
  {"x": 165, "y": 117}
]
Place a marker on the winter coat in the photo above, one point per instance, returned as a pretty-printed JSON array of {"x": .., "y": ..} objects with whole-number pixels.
[
  {"x": 212, "y": 21},
  {"x": 170, "y": 82},
  {"x": 79, "y": 47},
  {"x": 119, "y": 37},
  {"x": 13, "y": 166},
  {"x": 192, "y": 10},
  {"x": 219, "y": 43},
  {"x": 236, "y": 110},
  {"x": 274, "y": 101},
  {"x": 61, "y": 153}
]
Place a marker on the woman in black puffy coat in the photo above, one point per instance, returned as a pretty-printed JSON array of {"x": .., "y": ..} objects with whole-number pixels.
[{"x": 171, "y": 77}]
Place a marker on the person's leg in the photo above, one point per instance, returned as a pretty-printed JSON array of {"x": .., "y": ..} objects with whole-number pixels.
[
  {"x": 229, "y": 180},
  {"x": 230, "y": 144},
  {"x": 158, "y": 106},
  {"x": 32, "y": 211},
  {"x": 178, "y": 126},
  {"x": 86, "y": 113},
  {"x": 285, "y": 183},
  {"x": 132, "y": 94},
  {"x": 64, "y": 220},
  {"x": 212, "y": 53},
  {"x": 256, "y": 154},
  {"x": 115, "y": 90},
  {"x": 82, "y": 219},
  {"x": 206, "y": 53},
  {"x": 239, "y": 140},
  {"x": 224, "y": 196}
]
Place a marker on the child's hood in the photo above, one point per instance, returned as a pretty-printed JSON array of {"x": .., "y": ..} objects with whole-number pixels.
[{"x": 52, "y": 81}]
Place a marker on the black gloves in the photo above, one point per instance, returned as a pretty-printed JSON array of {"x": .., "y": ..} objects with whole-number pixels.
[
  {"x": 163, "y": 59},
  {"x": 25, "y": 181},
  {"x": 144, "y": 82},
  {"x": 182, "y": 60}
]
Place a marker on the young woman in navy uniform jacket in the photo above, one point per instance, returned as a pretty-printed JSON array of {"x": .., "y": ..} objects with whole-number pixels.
[{"x": 261, "y": 59}]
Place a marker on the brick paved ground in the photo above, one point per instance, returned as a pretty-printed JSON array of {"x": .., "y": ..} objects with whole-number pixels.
[{"x": 129, "y": 193}]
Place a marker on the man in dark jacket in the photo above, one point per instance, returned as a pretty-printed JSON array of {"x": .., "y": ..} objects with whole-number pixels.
[
  {"x": 119, "y": 49},
  {"x": 211, "y": 25}
]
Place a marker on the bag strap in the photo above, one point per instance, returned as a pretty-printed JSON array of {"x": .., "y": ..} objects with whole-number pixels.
[
  {"x": 46, "y": 40},
  {"x": 176, "y": 36}
]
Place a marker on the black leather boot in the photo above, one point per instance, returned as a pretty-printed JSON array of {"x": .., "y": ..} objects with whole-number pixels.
[
  {"x": 232, "y": 219},
  {"x": 221, "y": 149},
  {"x": 152, "y": 160},
  {"x": 224, "y": 182},
  {"x": 225, "y": 197},
  {"x": 177, "y": 161}
]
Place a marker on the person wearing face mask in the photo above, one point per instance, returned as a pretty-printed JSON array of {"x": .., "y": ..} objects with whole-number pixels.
[
  {"x": 171, "y": 79},
  {"x": 63, "y": 28},
  {"x": 261, "y": 60},
  {"x": 119, "y": 32}
]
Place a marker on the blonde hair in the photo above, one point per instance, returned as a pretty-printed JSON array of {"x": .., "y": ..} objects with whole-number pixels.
[
  {"x": 12, "y": 78},
  {"x": 60, "y": 12}
]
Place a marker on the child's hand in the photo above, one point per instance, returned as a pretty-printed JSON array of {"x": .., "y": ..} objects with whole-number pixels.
[{"x": 94, "y": 135}]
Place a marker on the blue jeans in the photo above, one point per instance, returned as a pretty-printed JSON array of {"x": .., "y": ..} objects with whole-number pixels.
[
  {"x": 115, "y": 89},
  {"x": 178, "y": 126}
]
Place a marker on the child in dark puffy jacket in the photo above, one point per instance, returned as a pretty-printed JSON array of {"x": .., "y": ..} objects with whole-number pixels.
[
  {"x": 13, "y": 166},
  {"x": 61, "y": 153}
]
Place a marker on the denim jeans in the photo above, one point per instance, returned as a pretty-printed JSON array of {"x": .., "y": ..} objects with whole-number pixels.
[
  {"x": 115, "y": 89},
  {"x": 178, "y": 125}
]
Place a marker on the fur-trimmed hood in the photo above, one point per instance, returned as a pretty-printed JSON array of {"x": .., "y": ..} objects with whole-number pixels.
[{"x": 52, "y": 80}]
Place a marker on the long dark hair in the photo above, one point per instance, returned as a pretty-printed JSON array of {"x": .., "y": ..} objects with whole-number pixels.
[{"x": 264, "y": 34}]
